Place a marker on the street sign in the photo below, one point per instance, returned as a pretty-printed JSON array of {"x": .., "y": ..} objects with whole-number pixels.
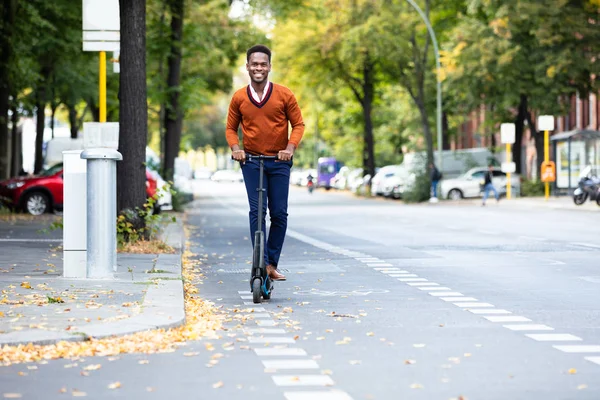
[
  {"x": 508, "y": 167},
  {"x": 101, "y": 25},
  {"x": 545, "y": 123},
  {"x": 507, "y": 133},
  {"x": 548, "y": 171}
]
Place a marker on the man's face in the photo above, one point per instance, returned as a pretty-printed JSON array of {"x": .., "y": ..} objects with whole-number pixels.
[{"x": 258, "y": 67}]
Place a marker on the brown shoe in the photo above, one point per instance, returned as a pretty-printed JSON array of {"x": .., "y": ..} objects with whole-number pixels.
[{"x": 274, "y": 274}]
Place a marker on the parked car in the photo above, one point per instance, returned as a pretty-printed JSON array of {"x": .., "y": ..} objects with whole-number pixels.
[
  {"x": 39, "y": 194},
  {"x": 155, "y": 184},
  {"x": 227, "y": 175},
  {"x": 468, "y": 185}
]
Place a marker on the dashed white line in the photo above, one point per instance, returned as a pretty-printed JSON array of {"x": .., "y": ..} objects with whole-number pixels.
[
  {"x": 266, "y": 322},
  {"x": 290, "y": 364},
  {"x": 283, "y": 351},
  {"x": 423, "y": 284},
  {"x": 312, "y": 395},
  {"x": 412, "y": 279},
  {"x": 302, "y": 380},
  {"x": 581, "y": 348},
  {"x": 383, "y": 269},
  {"x": 529, "y": 327},
  {"x": 595, "y": 360},
  {"x": 473, "y": 305},
  {"x": 275, "y": 339},
  {"x": 490, "y": 311},
  {"x": 595, "y": 246},
  {"x": 402, "y": 275},
  {"x": 262, "y": 331},
  {"x": 380, "y": 264},
  {"x": 458, "y": 299},
  {"x": 445, "y": 294},
  {"x": 553, "y": 337},
  {"x": 260, "y": 315},
  {"x": 444, "y": 288},
  {"x": 507, "y": 318}
]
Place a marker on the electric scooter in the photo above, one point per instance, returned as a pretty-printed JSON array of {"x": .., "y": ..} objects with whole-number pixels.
[{"x": 260, "y": 283}]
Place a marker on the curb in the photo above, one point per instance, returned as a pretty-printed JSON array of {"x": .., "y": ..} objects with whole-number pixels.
[{"x": 163, "y": 306}]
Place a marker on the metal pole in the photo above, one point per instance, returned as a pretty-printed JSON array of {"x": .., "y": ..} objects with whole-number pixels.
[
  {"x": 439, "y": 83},
  {"x": 546, "y": 159},
  {"x": 102, "y": 86},
  {"x": 508, "y": 181}
]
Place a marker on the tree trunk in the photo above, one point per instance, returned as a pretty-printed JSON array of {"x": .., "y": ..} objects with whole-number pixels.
[
  {"x": 73, "y": 123},
  {"x": 8, "y": 10},
  {"x": 369, "y": 93},
  {"x": 133, "y": 110},
  {"x": 519, "y": 128},
  {"x": 445, "y": 132},
  {"x": 174, "y": 115},
  {"x": 15, "y": 164},
  {"x": 53, "y": 108},
  {"x": 539, "y": 143},
  {"x": 95, "y": 109},
  {"x": 40, "y": 105}
]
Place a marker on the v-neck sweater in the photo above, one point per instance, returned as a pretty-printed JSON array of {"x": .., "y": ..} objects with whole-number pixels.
[{"x": 265, "y": 128}]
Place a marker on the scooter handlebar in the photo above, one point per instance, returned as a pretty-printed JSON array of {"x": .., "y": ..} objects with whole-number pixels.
[{"x": 260, "y": 157}]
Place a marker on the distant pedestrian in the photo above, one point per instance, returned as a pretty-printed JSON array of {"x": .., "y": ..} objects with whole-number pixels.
[
  {"x": 436, "y": 176},
  {"x": 489, "y": 186}
]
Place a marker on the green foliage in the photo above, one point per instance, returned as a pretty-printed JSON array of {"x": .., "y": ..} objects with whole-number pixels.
[
  {"x": 179, "y": 199},
  {"x": 138, "y": 224},
  {"x": 532, "y": 188},
  {"x": 420, "y": 189}
]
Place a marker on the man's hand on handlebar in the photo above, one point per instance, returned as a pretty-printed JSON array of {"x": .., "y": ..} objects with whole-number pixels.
[
  {"x": 238, "y": 155},
  {"x": 287, "y": 154}
]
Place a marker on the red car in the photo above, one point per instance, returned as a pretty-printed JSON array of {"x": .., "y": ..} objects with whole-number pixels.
[{"x": 43, "y": 193}]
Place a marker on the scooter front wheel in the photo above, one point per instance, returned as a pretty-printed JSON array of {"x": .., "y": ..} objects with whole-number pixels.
[
  {"x": 256, "y": 291},
  {"x": 579, "y": 199}
]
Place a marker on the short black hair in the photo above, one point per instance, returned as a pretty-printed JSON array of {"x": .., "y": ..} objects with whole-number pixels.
[{"x": 259, "y": 48}]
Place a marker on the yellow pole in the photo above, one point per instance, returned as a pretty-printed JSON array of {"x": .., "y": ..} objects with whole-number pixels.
[
  {"x": 102, "y": 87},
  {"x": 508, "y": 181},
  {"x": 546, "y": 159}
]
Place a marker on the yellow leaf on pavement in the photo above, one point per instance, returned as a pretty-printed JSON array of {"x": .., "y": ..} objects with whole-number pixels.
[
  {"x": 12, "y": 395},
  {"x": 217, "y": 385},
  {"x": 409, "y": 362},
  {"x": 191, "y": 354},
  {"x": 370, "y": 334},
  {"x": 416, "y": 386},
  {"x": 25, "y": 285},
  {"x": 92, "y": 367},
  {"x": 114, "y": 385},
  {"x": 572, "y": 371}
]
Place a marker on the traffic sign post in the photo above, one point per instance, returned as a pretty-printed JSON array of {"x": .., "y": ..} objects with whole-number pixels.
[
  {"x": 546, "y": 124},
  {"x": 507, "y": 136}
]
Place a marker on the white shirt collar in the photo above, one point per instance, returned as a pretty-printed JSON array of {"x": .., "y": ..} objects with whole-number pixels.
[{"x": 256, "y": 96}]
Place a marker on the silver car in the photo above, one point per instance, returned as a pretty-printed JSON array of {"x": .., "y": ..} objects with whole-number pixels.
[{"x": 469, "y": 184}]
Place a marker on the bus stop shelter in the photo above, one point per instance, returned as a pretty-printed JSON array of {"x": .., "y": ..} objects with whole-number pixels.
[{"x": 574, "y": 152}]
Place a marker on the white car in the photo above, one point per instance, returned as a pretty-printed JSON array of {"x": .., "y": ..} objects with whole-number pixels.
[
  {"x": 469, "y": 184},
  {"x": 227, "y": 175}
]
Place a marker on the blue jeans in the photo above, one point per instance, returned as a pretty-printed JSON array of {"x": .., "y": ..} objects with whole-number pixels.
[
  {"x": 486, "y": 191},
  {"x": 276, "y": 181},
  {"x": 434, "y": 185}
]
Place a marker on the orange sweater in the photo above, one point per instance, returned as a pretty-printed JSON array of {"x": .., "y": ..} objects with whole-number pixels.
[{"x": 265, "y": 124}]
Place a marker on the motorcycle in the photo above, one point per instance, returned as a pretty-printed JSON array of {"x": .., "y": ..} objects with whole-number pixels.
[
  {"x": 310, "y": 184},
  {"x": 588, "y": 187}
]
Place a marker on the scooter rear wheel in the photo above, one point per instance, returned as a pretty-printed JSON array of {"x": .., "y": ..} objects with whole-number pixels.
[{"x": 256, "y": 291}]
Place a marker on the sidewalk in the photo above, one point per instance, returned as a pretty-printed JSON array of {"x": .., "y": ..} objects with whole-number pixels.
[
  {"x": 553, "y": 202},
  {"x": 39, "y": 306}
]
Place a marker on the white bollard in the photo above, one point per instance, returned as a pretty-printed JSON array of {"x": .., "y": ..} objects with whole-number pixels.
[{"x": 74, "y": 215}]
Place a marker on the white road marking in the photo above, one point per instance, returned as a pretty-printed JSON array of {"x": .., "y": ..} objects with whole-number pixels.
[
  {"x": 595, "y": 360},
  {"x": 381, "y": 264},
  {"x": 244, "y": 292},
  {"x": 412, "y": 279},
  {"x": 530, "y": 327},
  {"x": 434, "y": 288},
  {"x": 595, "y": 246},
  {"x": 473, "y": 305},
  {"x": 330, "y": 395},
  {"x": 249, "y": 303},
  {"x": 284, "y": 351},
  {"x": 246, "y": 298},
  {"x": 31, "y": 240},
  {"x": 578, "y": 348},
  {"x": 262, "y": 331},
  {"x": 266, "y": 322},
  {"x": 445, "y": 294},
  {"x": 276, "y": 339},
  {"x": 401, "y": 275},
  {"x": 290, "y": 364},
  {"x": 458, "y": 299},
  {"x": 370, "y": 260},
  {"x": 302, "y": 380},
  {"x": 260, "y": 315},
  {"x": 423, "y": 284},
  {"x": 383, "y": 269},
  {"x": 490, "y": 311},
  {"x": 507, "y": 318},
  {"x": 553, "y": 337},
  {"x": 252, "y": 310}
]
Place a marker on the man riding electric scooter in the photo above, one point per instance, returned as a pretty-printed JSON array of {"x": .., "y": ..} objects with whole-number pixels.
[{"x": 264, "y": 110}]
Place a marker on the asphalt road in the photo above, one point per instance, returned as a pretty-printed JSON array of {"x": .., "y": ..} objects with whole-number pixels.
[{"x": 382, "y": 301}]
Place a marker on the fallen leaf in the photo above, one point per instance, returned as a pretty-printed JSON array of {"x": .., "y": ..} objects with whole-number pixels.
[
  {"x": 355, "y": 362},
  {"x": 321, "y": 338},
  {"x": 370, "y": 334},
  {"x": 12, "y": 395},
  {"x": 114, "y": 385},
  {"x": 581, "y": 387},
  {"x": 418, "y": 345},
  {"x": 217, "y": 385},
  {"x": 63, "y": 390},
  {"x": 410, "y": 362},
  {"x": 143, "y": 362},
  {"x": 191, "y": 354},
  {"x": 21, "y": 373},
  {"x": 467, "y": 354},
  {"x": 25, "y": 285},
  {"x": 572, "y": 371},
  {"x": 327, "y": 372},
  {"x": 149, "y": 389},
  {"x": 92, "y": 367},
  {"x": 32, "y": 367},
  {"x": 416, "y": 386},
  {"x": 77, "y": 393}
]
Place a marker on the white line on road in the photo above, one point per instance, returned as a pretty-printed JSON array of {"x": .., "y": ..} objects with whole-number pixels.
[
  {"x": 266, "y": 322},
  {"x": 473, "y": 305},
  {"x": 260, "y": 315},
  {"x": 384, "y": 269},
  {"x": 445, "y": 294},
  {"x": 252, "y": 310},
  {"x": 595, "y": 246},
  {"x": 244, "y": 292},
  {"x": 491, "y": 311},
  {"x": 381, "y": 264},
  {"x": 246, "y": 298},
  {"x": 507, "y": 318},
  {"x": 290, "y": 364},
  {"x": 302, "y": 380},
  {"x": 412, "y": 279},
  {"x": 276, "y": 339},
  {"x": 397, "y": 275},
  {"x": 426, "y": 288},
  {"x": 262, "y": 331},
  {"x": 530, "y": 327},
  {"x": 578, "y": 348},
  {"x": 458, "y": 299},
  {"x": 331, "y": 395},
  {"x": 423, "y": 284},
  {"x": 553, "y": 337},
  {"x": 283, "y": 351},
  {"x": 595, "y": 360}
]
